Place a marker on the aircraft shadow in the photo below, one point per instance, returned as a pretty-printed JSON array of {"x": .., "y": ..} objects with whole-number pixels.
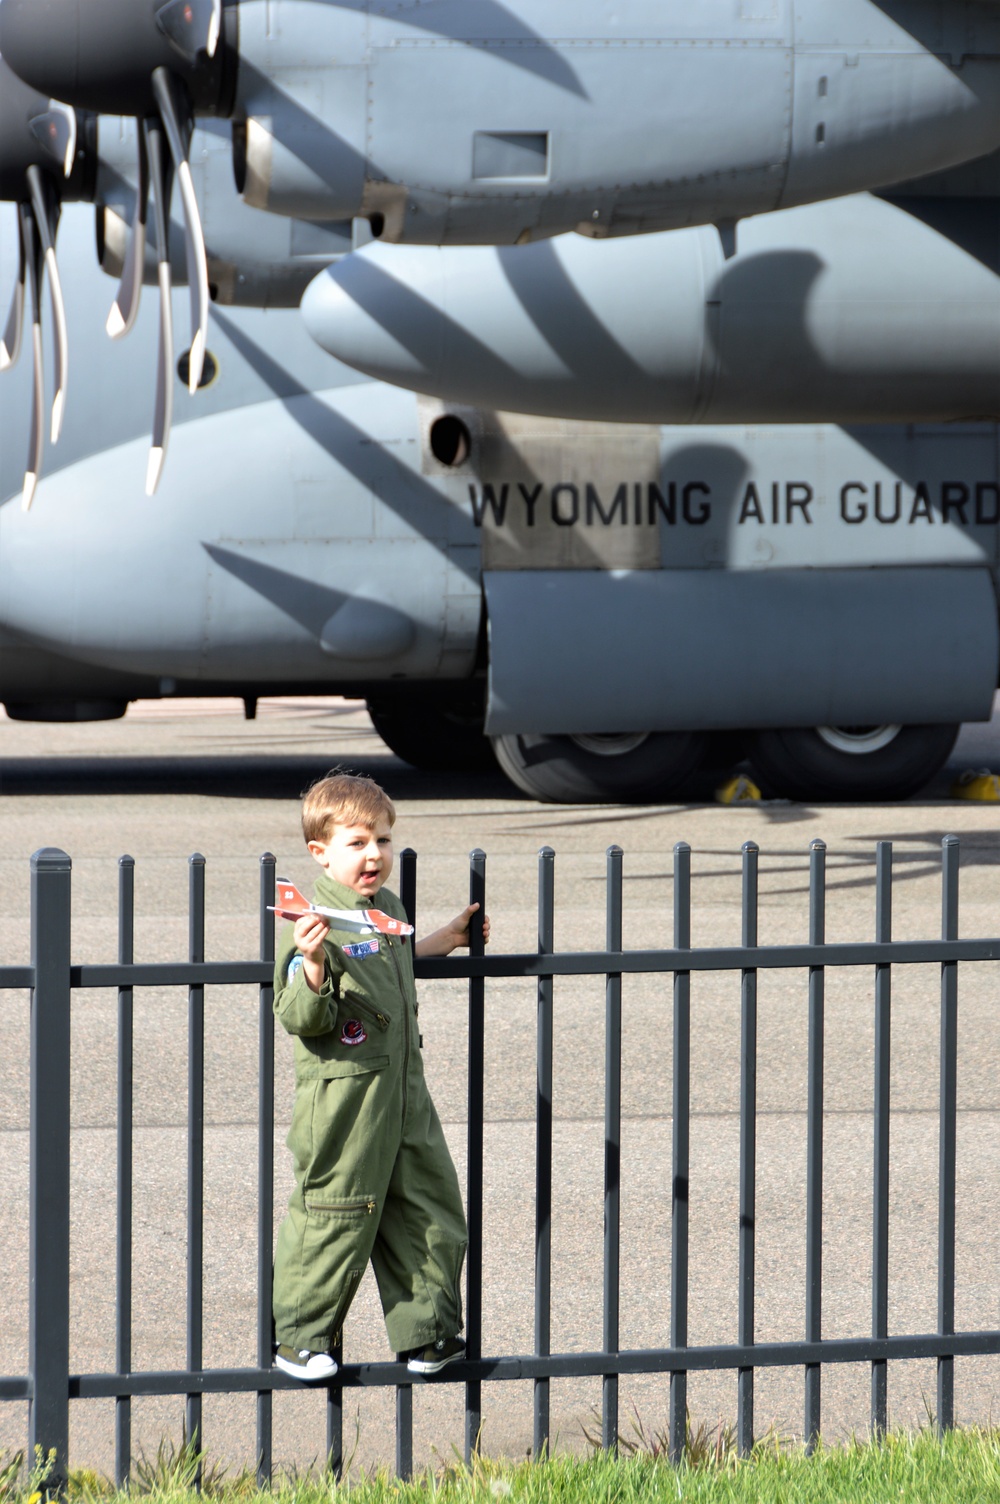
[{"x": 236, "y": 777}]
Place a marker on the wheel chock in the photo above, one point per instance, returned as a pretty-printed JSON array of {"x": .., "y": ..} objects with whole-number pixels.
[
  {"x": 739, "y": 790},
  {"x": 977, "y": 784}
]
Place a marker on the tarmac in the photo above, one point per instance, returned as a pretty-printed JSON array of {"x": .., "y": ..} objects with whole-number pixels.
[{"x": 177, "y": 777}]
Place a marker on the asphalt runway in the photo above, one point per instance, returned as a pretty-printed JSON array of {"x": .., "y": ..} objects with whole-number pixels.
[{"x": 177, "y": 777}]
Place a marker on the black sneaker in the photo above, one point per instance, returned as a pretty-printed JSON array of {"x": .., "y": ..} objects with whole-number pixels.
[
  {"x": 311, "y": 1368},
  {"x": 437, "y": 1356}
]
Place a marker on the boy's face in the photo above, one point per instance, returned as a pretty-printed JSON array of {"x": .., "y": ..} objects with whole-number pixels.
[{"x": 357, "y": 856}]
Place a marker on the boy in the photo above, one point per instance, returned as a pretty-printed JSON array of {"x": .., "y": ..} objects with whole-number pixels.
[{"x": 374, "y": 1179}]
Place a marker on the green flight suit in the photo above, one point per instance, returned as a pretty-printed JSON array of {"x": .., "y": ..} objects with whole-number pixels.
[{"x": 373, "y": 1175}]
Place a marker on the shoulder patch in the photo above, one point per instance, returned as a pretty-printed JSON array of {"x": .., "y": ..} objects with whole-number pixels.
[
  {"x": 294, "y": 967},
  {"x": 361, "y": 948}
]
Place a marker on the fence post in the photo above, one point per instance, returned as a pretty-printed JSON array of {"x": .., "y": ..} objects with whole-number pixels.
[
  {"x": 881, "y": 1104},
  {"x": 612, "y": 1149},
  {"x": 543, "y": 1146},
  {"x": 814, "y": 1143},
  {"x": 48, "y": 1255},
  {"x": 748, "y": 1152},
  {"x": 474, "y": 1261},
  {"x": 196, "y": 1151},
  {"x": 265, "y": 1171},
  {"x": 681, "y": 1150},
  {"x": 404, "y": 1392},
  {"x": 948, "y": 1132},
  {"x": 124, "y": 1141}
]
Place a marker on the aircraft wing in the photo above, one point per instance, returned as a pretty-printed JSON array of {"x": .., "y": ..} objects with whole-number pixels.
[{"x": 293, "y": 905}]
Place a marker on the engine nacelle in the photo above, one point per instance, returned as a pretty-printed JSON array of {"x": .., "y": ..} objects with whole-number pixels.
[
  {"x": 855, "y": 311},
  {"x": 610, "y": 120},
  {"x": 254, "y": 260}
]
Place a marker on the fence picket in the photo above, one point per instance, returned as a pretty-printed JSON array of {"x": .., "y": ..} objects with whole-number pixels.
[
  {"x": 612, "y": 1146},
  {"x": 543, "y": 1146},
  {"x": 881, "y": 1104},
  {"x": 265, "y": 1169},
  {"x": 123, "y": 1138},
  {"x": 748, "y": 1152},
  {"x": 196, "y": 1151},
  {"x": 947, "y": 1132},
  {"x": 474, "y": 1212},
  {"x": 814, "y": 1142},
  {"x": 681, "y": 1150},
  {"x": 404, "y": 1392}
]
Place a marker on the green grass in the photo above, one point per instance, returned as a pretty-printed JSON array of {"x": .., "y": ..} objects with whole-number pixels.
[{"x": 961, "y": 1468}]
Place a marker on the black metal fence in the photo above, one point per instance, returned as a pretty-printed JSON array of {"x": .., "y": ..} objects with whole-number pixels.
[{"x": 52, "y": 977}]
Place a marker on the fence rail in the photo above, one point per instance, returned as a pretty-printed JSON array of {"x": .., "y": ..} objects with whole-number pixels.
[{"x": 52, "y": 978}]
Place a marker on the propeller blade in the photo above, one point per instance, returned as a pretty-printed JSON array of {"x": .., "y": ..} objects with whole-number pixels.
[
  {"x": 197, "y": 261},
  {"x": 55, "y": 129},
  {"x": 160, "y": 172},
  {"x": 126, "y": 304},
  {"x": 36, "y": 439},
  {"x": 10, "y": 345},
  {"x": 192, "y": 25},
  {"x": 47, "y": 235}
]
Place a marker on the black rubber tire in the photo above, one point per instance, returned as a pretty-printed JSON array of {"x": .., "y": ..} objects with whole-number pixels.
[
  {"x": 557, "y": 770},
  {"x": 799, "y": 764},
  {"x": 437, "y": 737}
]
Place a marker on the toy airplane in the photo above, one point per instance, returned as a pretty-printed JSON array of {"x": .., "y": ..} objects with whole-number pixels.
[{"x": 293, "y": 905}]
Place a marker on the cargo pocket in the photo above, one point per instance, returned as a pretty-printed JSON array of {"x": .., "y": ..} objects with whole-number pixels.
[
  {"x": 353, "y": 1007},
  {"x": 344, "y": 1066},
  {"x": 319, "y": 1204}
]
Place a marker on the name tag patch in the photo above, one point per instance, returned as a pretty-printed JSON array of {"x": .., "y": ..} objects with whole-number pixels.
[{"x": 361, "y": 948}]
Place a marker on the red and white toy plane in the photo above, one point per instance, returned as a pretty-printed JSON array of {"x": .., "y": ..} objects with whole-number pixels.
[{"x": 291, "y": 904}]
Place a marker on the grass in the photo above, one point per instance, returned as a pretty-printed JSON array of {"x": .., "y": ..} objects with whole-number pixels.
[{"x": 920, "y": 1468}]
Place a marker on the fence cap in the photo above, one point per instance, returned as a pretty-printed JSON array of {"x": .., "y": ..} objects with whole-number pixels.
[{"x": 50, "y": 859}]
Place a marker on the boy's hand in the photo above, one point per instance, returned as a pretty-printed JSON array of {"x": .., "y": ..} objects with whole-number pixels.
[
  {"x": 451, "y": 936},
  {"x": 310, "y": 932}
]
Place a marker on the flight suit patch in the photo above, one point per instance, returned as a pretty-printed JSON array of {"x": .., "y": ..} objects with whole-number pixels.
[
  {"x": 354, "y": 1032},
  {"x": 361, "y": 948}
]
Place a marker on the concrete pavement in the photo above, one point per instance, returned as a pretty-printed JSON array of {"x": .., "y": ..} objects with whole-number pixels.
[{"x": 178, "y": 777}]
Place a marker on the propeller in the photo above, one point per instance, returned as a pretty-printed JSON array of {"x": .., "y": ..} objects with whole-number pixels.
[
  {"x": 43, "y": 161},
  {"x": 161, "y": 61}
]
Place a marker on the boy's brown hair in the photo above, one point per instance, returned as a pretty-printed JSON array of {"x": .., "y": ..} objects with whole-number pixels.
[{"x": 344, "y": 799}]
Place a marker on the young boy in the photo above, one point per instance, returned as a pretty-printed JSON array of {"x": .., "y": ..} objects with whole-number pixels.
[{"x": 373, "y": 1176}]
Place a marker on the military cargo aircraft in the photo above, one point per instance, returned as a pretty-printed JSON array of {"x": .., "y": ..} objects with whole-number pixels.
[{"x": 599, "y": 599}]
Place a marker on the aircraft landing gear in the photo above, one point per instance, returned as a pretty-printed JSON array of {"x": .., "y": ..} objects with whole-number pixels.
[
  {"x": 835, "y": 763},
  {"x": 625, "y": 768},
  {"x": 441, "y": 736}
]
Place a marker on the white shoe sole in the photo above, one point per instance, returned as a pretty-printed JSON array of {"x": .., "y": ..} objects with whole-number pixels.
[
  {"x": 296, "y": 1371},
  {"x": 415, "y": 1365}
]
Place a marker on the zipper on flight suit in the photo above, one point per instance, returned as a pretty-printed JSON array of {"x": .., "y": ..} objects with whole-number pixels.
[
  {"x": 368, "y": 1206},
  {"x": 355, "y": 999},
  {"x": 406, "y": 1017}
]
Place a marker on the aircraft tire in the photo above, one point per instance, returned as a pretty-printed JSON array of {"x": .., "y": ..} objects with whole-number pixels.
[
  {"x": 437, "y": 738},
  {"x": 600, "y": 769},
  {"x": 851, "y": 763}
]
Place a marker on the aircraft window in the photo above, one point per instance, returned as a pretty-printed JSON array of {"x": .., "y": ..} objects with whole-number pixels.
[
  {"x": 510, "y": 154},
  {"x": 209, "y": 370},
  {"x": 450, "y": 441}
]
